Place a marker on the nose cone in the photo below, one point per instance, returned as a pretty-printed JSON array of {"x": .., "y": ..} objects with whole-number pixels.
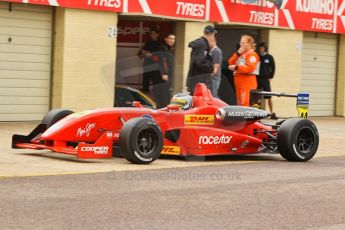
[{"x": 60, "y": 128}]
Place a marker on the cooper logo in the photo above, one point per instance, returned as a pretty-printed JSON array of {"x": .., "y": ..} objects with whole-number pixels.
[
  {"x": 85, "y": 131},
  {"x": 214, "y": 140},
  {"x": 199, "y": 119},
  {"x": 96, "y": 149}
]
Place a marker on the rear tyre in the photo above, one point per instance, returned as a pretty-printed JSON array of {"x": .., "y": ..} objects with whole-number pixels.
[
  {"x": 54, "y": 116},
  {"x": 297, "y": 139},
  {"x": 141, "y": 140}
]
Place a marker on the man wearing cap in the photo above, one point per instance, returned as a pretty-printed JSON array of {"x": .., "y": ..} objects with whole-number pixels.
[{"x": 201, "y": 63}]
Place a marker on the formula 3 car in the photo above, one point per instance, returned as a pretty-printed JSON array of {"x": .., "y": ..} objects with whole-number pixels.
[{"x": 197, "y": 125}]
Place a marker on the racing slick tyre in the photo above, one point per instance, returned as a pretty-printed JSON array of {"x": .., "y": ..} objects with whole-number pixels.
[
  {"x": 141, "y": 140},
  {"x": 297, "y": 139},
  {"x": 54, "y": 116}
]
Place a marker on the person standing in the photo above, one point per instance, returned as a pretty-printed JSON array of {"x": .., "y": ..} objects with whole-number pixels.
[
  {"x": 245, "y": 64},
  {"x": 201, "y": 64},
  {"x": 267, "y": 71},
  {"x": 217, "y": 57},
  {"x": 151, "y": 66},
  {"x": 167, "y": 64}
]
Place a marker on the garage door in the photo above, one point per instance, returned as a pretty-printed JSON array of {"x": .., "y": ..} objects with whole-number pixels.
[
  {"x": 319, "y": 72},
  {"x": 25, "y": 51}
]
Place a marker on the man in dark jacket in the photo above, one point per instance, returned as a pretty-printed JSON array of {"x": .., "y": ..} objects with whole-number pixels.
[
  {"x": 267, "y": 70},
  {"x": 151, "y": 52},
  {"x": 167, "y": 70},
  {"x": 201, "y": 64}
]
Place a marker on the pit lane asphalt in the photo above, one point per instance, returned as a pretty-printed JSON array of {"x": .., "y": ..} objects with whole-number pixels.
[
  {"x": 240, "y": 192},
  {"x": 269, "y": 195}
]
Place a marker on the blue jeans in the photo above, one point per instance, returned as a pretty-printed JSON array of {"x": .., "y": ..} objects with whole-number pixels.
[{"x": 215, "y": 87}]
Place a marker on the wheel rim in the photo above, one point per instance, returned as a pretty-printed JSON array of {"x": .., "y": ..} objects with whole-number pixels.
[
  {"x": 305, "y": 140},
  {"x": 147, "y": 141}
]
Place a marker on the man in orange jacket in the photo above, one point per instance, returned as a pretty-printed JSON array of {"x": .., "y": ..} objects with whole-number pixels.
[{"x": 245, "y": 65}]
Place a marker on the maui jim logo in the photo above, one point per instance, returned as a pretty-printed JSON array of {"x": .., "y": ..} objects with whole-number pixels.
[
  {"x": 85, "y": 131},
  {"x": 199, "y": 119}
]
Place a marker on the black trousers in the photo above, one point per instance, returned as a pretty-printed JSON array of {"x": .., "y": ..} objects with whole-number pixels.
[
  {"x": 151, "y": 76},
  {"x": 160, "y": 89}
]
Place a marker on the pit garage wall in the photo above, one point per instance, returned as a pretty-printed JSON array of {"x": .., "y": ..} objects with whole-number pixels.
[
  {"x": 286, "y": 48},
  {"x": 84, "y": 59},
  {"x": 340, "y": 90}
]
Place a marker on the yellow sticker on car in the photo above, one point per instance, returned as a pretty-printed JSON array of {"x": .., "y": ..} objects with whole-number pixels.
[
  {"x": 199, "y": 119},
  {"x": 171, "y": 150},
  {"x": 303, "y": 105}
]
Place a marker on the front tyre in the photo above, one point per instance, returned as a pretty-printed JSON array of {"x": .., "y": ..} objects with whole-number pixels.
[
  {"x": 297, "y": 139},
  {"x": 141, "y": 140}
]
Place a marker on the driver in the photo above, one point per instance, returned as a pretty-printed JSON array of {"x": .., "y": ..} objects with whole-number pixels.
[{"x": 184, "y": 101}]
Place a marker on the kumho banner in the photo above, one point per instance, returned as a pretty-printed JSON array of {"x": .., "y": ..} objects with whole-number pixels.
[{"x": 309, "y": 15}]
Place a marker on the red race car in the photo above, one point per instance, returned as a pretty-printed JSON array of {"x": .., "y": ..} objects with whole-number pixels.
[{"x": 197, "y": 125}]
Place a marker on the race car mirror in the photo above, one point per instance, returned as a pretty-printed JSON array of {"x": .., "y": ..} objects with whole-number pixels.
[
  {"x": 137, "y": 104},
  {"x": 303, "y": 105},
  {"x": 173, "y": 107}
]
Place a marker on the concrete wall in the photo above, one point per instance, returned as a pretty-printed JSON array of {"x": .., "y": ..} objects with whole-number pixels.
[
  {"x": 185, "y": 33},
  {"x": 340, "y": 95},
  {"x": 84, "y": 59},
  {"x": 284, "y": 46}
]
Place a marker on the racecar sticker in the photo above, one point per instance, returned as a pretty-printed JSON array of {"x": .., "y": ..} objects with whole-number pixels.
[
  {"x": 214, "y": 140},
  {"x": 85, "y": 131},
  {"x": 303, "y": 105},
  {"x": 95, "y": 149},
  {"x": 199, "y": 119},
  {"x": 171, "y": 150}
]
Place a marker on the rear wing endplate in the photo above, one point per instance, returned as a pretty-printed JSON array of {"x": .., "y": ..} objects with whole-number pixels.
[{"x": 302, "y": 100}]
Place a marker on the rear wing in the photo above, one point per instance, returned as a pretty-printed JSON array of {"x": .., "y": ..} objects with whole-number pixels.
[{"x": 302, "y": 100}]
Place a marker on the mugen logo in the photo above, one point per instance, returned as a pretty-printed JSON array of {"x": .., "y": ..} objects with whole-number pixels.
[
  {"x": 171, "y": 150},
  {"x": 96, "y": 149},
  {"x": 199, "y": 119}
]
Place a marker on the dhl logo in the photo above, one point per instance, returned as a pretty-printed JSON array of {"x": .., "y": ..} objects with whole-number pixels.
[
  {"x": 199, "y": 119},
  {"x": 171, "y": 150}
]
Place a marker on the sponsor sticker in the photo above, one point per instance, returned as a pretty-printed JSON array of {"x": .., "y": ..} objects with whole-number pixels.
[
  {"x": 303, "y": 105},
  {"x": 214, "y": 140},
  {"x": 96, "y": 149},
  {"x": 199, "y": 119},
  {"x": 86, "y": 131},
  {"x": 171, "y": 150}
]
